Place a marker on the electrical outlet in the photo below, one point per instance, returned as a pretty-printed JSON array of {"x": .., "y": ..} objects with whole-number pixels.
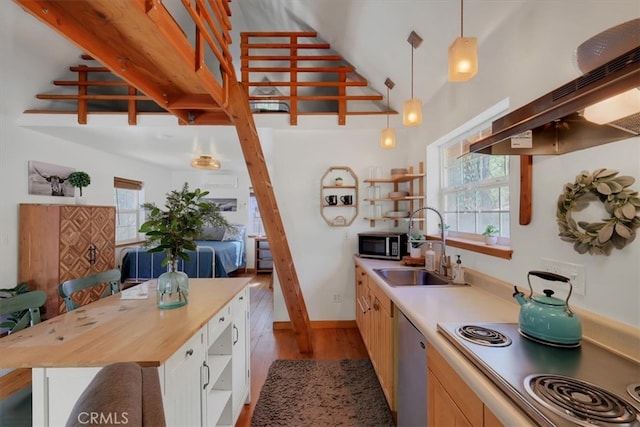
[
  {"x": 337, "y": 298},
  {"x": 575, "y": 272},
  {"x": 346, "y": 235}
]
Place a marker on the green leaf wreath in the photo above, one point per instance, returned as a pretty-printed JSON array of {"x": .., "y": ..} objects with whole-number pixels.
[{"x": 620, "y": 201}]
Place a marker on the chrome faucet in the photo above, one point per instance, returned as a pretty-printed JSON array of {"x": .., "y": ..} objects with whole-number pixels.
[{"x": 442, "y": 269}]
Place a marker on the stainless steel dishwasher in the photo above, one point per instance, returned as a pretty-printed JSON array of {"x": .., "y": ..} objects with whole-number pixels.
[{"x": 412, "y": 374}]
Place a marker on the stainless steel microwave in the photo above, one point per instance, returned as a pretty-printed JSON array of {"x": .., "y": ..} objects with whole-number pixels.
[{"x": 382, "y": 245}]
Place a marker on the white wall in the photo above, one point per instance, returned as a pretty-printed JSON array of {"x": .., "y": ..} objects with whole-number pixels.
[
  {"x": 102, "y": 167},
  {"x": 323, "y": 254},
  {"x": 530, "y": 56}
]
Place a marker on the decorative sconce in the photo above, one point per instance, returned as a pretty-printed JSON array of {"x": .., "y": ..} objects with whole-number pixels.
[
  {"x": 463, "y": 55},
  {"x": 388, "y": 135},
  {"x": 412, "y": 108}
]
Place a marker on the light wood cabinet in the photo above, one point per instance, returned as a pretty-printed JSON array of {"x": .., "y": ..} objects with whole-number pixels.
[
  {"x": 374, "y": 317},
  {"x": 363, "y": 304},
  {"x": 62, "y": 242},
  {"x": 380, "y": 202},
  {"x": 450, "y": 401}
]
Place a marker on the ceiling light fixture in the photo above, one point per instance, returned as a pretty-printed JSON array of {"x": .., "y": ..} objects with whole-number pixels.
[
  {"x": 412, "y": 108},
  {"x": 388, "y": 135},
  {"x": 463, "y": 55},
  {"x": 205, "y": 162}
]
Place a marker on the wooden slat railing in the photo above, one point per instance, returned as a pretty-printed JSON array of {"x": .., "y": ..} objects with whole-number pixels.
[{"x": 288, "y": 45}]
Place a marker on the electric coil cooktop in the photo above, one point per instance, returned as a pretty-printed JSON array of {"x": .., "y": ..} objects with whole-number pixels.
[{"x": 585, "y": 386}]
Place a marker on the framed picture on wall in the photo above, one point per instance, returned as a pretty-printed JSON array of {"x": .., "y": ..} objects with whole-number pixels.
[
  {"x": 225, "y": 205},
  {"x": 46, "y": 179}
]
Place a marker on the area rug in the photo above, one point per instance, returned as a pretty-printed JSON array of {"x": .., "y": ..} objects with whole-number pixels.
[{"x": 317, "y": 393}]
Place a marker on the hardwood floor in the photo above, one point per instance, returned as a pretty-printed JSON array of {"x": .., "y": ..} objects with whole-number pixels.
[{"x": 268, "y": 345}]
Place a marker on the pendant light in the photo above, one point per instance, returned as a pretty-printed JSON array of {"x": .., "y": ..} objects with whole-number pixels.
[
  {"x": 412, "y": 108},
  {"x": 463, "y": 55},
  {"x": 388, "y": 135}
]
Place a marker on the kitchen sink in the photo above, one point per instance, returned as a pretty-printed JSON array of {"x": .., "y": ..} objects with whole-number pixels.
[{"x": 412, "y": 277}]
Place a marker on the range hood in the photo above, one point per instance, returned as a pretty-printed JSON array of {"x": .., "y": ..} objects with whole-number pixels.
[{"x": 556, "y": 120}]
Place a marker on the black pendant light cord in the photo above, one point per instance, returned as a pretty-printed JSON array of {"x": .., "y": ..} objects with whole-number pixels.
[{"x": 461, "y": 17}]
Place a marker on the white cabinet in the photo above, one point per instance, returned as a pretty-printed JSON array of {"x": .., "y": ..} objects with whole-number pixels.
[
  {"x": 240, "y": 352},
  {"x": 217, "y": 387},
  {"x": 226, "y": 373},
  {"x": 204, "y": 383},
  {"x": 183, "y": 383}
]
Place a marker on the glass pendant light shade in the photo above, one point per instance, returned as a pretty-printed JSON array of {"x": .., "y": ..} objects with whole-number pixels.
[
  {"x": 412, "y": 108},
  {"x": 463, "y": 59},
  {"x": 388, "y": 134},
  {"x": 388, "y": 138},
  {"x": 412, "y": 112}
]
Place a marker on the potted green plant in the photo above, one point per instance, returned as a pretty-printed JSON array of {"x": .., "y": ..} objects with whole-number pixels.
[
  {"x": 416, "y": 241},
  {"x": 338, "y": 180},
  {"x": 491, "y": 234},
  {"x": 172, "y": 230},
  {"x": 79, "y": 180}
]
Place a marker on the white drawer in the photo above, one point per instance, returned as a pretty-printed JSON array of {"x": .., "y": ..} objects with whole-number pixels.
[
  {"x": 217, "y": 324},
  {"x": 193, "y": 348},
  {"x": 241, "y": 301}
]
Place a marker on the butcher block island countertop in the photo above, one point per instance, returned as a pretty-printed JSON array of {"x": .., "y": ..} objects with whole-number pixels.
[{"x": 118, "y": 330}]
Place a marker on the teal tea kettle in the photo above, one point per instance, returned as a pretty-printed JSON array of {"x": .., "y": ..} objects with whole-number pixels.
[{"x": 547, "y": 319}]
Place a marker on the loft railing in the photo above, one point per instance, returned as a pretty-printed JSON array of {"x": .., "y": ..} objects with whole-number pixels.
[{"x": 320, "y": 78}]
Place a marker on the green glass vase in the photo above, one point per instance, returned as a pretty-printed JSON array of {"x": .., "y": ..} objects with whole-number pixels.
[{"x": 173, "y": 287}]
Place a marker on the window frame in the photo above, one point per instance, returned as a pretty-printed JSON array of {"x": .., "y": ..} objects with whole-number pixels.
[
  {"x": 253, "y": 208},
  {"x": 129, "y": 185},
  {"x": 469, "y": 241}
]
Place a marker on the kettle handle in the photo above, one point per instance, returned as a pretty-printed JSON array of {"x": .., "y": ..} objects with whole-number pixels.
[{"x": 547, "y": 275}]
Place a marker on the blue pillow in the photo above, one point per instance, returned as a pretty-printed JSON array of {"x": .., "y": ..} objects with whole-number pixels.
[{"x": 212, "y": 233}]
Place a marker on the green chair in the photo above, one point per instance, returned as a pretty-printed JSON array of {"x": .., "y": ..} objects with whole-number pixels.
[
  {"x": 26, "y": 308},
  {"x": 68, "y": 288}
]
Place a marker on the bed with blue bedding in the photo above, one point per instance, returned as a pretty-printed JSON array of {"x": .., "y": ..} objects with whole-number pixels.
[{"x": 218, "y": 254}]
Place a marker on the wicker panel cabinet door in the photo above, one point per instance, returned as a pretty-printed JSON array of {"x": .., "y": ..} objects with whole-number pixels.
[
  {"x": 62, "y": 242},
  {"x": 87, "y": 246}
]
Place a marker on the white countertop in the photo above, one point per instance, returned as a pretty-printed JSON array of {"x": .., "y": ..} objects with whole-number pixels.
[{"x": 426, "y": 307}]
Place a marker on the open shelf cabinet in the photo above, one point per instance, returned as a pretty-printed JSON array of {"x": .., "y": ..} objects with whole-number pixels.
[
  {"x": 343, "y": 209},
  {"x": 411, "y": 182}
]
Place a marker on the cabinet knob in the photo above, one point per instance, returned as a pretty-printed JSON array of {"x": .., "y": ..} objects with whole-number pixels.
[
  {"x": 190, "y": 352},
  {"x": 220, "y": 320}
]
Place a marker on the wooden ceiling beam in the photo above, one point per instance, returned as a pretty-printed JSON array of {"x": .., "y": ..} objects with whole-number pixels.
[{"x": 147, "y": 50}]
